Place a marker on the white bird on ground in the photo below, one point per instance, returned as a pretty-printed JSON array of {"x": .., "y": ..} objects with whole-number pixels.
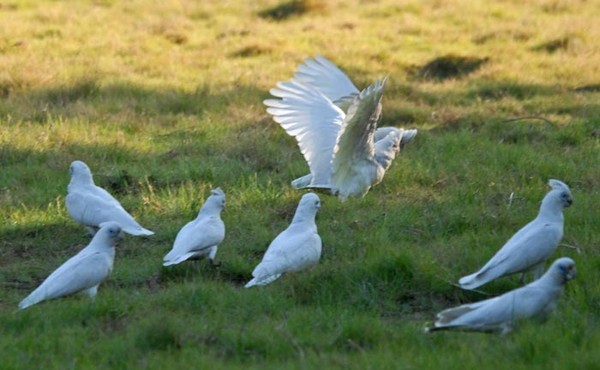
[
  {"x": 531, "y": 246},
  {"x": 335, "y": 125},
  {"x": 83, "y": 272},
  {"x": 202, "y": 236},
  {"x": 298, "y": 247},
  {"x": 91, "y": 205},
  {"x": 533, "y": 301}
]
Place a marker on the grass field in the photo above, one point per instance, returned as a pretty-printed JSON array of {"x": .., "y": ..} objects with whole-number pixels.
[{"x": 163, "y": 100}]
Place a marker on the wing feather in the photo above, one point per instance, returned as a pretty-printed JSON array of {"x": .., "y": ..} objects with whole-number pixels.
[
  {"x": 326, "y": 77},
  {"x": 313, "y": 120},
  {"x": 355, "y": 142}
]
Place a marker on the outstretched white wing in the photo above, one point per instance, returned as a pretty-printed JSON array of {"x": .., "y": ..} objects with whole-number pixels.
[
  {"x": 326, "y": 77},
  {"x": 311, "y": 118},
  {"x": 355, "y": 142}
]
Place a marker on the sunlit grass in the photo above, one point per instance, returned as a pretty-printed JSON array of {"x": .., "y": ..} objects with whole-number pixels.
[{"x": 163, "y": 100}]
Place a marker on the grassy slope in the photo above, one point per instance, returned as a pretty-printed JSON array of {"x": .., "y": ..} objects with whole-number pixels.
[{"x": 163, "y": 100}]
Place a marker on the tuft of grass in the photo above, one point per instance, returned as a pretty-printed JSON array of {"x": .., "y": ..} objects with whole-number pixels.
[{"x": 553, "y": 46}]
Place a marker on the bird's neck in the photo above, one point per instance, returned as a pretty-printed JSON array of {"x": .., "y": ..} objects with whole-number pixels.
[
  {"x": 552, "y": 279},
  {"x": 303, "y": 216},
  {"x": 208, "y": 210},
  {"x": 81, "y": 181},
  {"x": 551, "y": 210}
]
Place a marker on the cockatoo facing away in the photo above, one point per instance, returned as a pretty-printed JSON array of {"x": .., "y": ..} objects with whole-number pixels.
[
  {"x": 531, "y": 246},
  {"x": 335, "y": 126},
  {"x": 91, "y": 205},
  {"x": 533, "y": 301},
  {"x": 202, "y": 236},
  {"x": 298, "y": 247},
  {"x": 83, "y": 272}
]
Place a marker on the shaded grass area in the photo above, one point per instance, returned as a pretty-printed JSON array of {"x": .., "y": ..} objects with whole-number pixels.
[{"x": 168, "y": 106}]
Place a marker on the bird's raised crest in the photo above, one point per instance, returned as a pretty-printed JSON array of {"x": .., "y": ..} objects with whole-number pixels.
[
  {"x": 558, "y": 185},
  {"x": 217, "y": 191}
]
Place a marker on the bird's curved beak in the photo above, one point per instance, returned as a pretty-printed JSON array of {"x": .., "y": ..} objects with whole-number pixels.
[{"x": 572, "y": 273}]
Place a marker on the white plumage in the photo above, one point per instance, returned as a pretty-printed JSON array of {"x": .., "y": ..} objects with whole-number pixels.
[
  {"x": 91, "y": 205},
  {"x": 298, "y": 247},
  {"x": 533, "y": 301},
  {"x": 531, "y": 246},
  {"x": 335, "y": 126},
  {"x": 82, "y": 272},
  {"x": 202, "y": 236}
]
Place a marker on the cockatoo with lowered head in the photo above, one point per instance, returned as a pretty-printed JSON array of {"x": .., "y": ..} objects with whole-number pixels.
[
  {"x": 335, "y": 126},
  {"x": 533, "y": 301},
  {"x": 298, "y": 247},
  {"x": 83, "y": 272},
  {"x": 531, "y": 246},
  {"x": 202, "y": 236},
  {"x": 91, "y": 205}
]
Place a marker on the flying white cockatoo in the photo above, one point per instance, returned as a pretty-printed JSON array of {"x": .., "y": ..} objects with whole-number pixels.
[{"x": 335, "y": 126}]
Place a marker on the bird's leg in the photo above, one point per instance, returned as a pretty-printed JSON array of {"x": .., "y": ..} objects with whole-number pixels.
[
  {"x": 91, "y": 292},
  {"x": 211, "y": 256}
]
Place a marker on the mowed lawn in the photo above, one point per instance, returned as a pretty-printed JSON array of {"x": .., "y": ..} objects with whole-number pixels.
[{"x": 163, "y": 100}]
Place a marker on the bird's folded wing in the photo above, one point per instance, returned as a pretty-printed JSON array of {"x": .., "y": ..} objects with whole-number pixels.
[
  {"x": 292, "y": 250},
  {"x": 90, "y": 209},
  {"x": 311, "y": 118},
  {"x": 105, "y": 195},
  {"x": 523, "y": 249},
  {"x": 482, "y": 314},
  {"x": 194, "y": 237},
  {"x": 355, "y": 140},
  {"x": 76, "y": 274},
  {"x": 326, "y": 77}
]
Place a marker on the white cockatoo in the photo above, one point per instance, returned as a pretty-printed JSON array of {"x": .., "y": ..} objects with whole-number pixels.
[
  {"x": 531, "y": 246},
  {"x": 335, "y": 126},
  {"x": 83, "y": 272},
  {"x": 91, "y": 205},
  {"x": 298, "y": 247},
  {"x": 533, "y": 301},
  {"x": 202, "y": 236}
]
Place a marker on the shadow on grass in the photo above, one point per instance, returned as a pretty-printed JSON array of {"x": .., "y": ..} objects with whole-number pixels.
[
  {"x": 448, "y": 66},
  {"x": 293, "y": 8},
  {"x": 72, "y": 99}
]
